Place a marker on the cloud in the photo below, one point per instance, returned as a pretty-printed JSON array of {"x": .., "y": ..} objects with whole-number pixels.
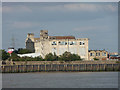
[
  {"x": 91, "y": 7},
  {"x": 13, "y": 9},
  {"x": 60, "y": 1},
  {"x": 25, "y": 24},
  {"x": 90, "y": 28},
  {"x": 0, "y": 10},
  {"x": 81, "y": 7}
]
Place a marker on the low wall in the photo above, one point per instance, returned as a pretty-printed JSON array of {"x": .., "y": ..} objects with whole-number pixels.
[
  {"x": 58, "y": 62},
  {"x": 60, "y": 67}
]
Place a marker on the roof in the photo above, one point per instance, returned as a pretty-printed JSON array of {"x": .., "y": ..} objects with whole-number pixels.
[
  {"x": 114, "y": 55},
  {"x": 57, "y": 37},
  {"x": 36, "y": 39},
  {"x": 61, "y": 37}
]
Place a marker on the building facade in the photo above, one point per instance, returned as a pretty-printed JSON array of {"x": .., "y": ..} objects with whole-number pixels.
[
  {"x": 98, "y": 54},
  {"x": 57, "y": 44}
]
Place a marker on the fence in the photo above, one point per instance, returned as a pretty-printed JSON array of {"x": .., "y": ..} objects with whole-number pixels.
[{"x": 60, "y": 67}]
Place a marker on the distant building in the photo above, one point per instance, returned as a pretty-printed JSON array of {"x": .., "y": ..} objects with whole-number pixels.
[
  {"x": 57, "y": 44},
  {"x": 113, "y": 55},
  {"x": 98, "y": 54}
]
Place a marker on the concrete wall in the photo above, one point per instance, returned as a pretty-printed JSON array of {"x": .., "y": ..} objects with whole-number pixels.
[
  {"x": 60, "y": 67},
  {"x": 60, "y": 62}
]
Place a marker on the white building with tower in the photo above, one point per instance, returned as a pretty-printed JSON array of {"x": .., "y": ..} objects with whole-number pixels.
[{"x": 46, "y": 44}]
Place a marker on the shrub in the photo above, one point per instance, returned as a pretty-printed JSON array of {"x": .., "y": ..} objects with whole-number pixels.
[
  {"x": 23, "y": 51},
  {"x": 51, "y": 57},
  {"x": 4, "y": 55},
  {"x": 96, "y": 59},
  {"x": 67, "y": 56}
]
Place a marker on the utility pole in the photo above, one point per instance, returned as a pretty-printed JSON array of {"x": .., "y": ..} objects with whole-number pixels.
[
  {"x": 13, "y": 41},
  {"x": 68, "y": 44}
]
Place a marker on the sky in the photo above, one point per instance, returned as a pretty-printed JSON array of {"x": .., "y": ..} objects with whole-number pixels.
[{"x": 97, "y": 21}]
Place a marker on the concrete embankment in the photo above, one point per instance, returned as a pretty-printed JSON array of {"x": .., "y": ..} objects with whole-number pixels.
[
  {"x": 59, "y": 62},
  {"x": 59, "y": 67}
]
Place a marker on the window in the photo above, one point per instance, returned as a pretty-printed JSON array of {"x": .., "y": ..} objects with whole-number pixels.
[
  {"x": 65, "y": 43},
  {"x": 82, "y": 43},
  {"x": 62, "y": 43},
  {"x": 90, "y": 54},
  {"x": 54, "y": 43},
  {"x": 105, "y": 54},
  {"x": 96, "y": 54},
  {"x": 102, "y": 54},
  {"x": 74, "y": 43},
  {"x": 99, "y": 54},
  {"x": 70, "y": 43},
  {"x": 46, "y": 33}
]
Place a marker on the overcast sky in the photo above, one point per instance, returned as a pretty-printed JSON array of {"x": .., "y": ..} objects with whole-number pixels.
[{"x": 96, "y": 21}]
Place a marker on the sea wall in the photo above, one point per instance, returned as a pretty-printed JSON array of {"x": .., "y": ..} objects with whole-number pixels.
[
  {"x": 59, "y": 62},
  {"x": 60, "y": 67}
]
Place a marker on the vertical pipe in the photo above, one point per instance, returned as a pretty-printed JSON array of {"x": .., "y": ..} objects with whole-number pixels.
[
  {"x": 72, "y": 66},
  {"x": 64, "y": 67},
  {"x": 10, "y": 68},
  {"x": 104, "y": 66},
  {"x": 68, "y": 45},
  {"x": 45, "y": 66},
  {"x": 17, "y": 69},
  {"x": 38, "y": 68},
  {"x": 91, "y": 67},
  {"x": 85, "y": 67},
  {"x": 32, "y": 69},
  {"x": 112, "y": 67},
  {"x": 51, "y": 67},
  {"x": 3, "y": 69},
  {"x": 58, "y": 67}
]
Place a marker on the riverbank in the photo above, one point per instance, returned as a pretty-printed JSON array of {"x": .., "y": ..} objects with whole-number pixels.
[
  {"x": 7, "y": 63},
  {"x": 60, "y": 68}
]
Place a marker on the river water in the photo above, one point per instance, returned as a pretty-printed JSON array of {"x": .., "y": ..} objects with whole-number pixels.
[{"x": 61, "y": 80}]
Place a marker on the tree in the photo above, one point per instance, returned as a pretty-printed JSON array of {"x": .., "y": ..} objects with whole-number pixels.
[
  {"x": 51, "y": 57},
  {"x": 4, "y": 54},
  {"x": 39, "y": 58},
  {"x": 67, "y": 56},
  {"x": 23, "y": 51},
  {"x": 14, "y": 57},
  {"x": 95, "y": 59}
]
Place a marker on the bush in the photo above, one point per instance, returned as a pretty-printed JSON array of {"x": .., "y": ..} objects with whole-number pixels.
[
  {"x": 23, "y": 51},
  {"x": 14, "y": 57},
  {"x": 117, "y": 61},
  {"x": 51, "y": 57},
  {"x": 95, "y": 59},
  {"x": 67, "y": 56},
  {"x": 4, "y": 54}
]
